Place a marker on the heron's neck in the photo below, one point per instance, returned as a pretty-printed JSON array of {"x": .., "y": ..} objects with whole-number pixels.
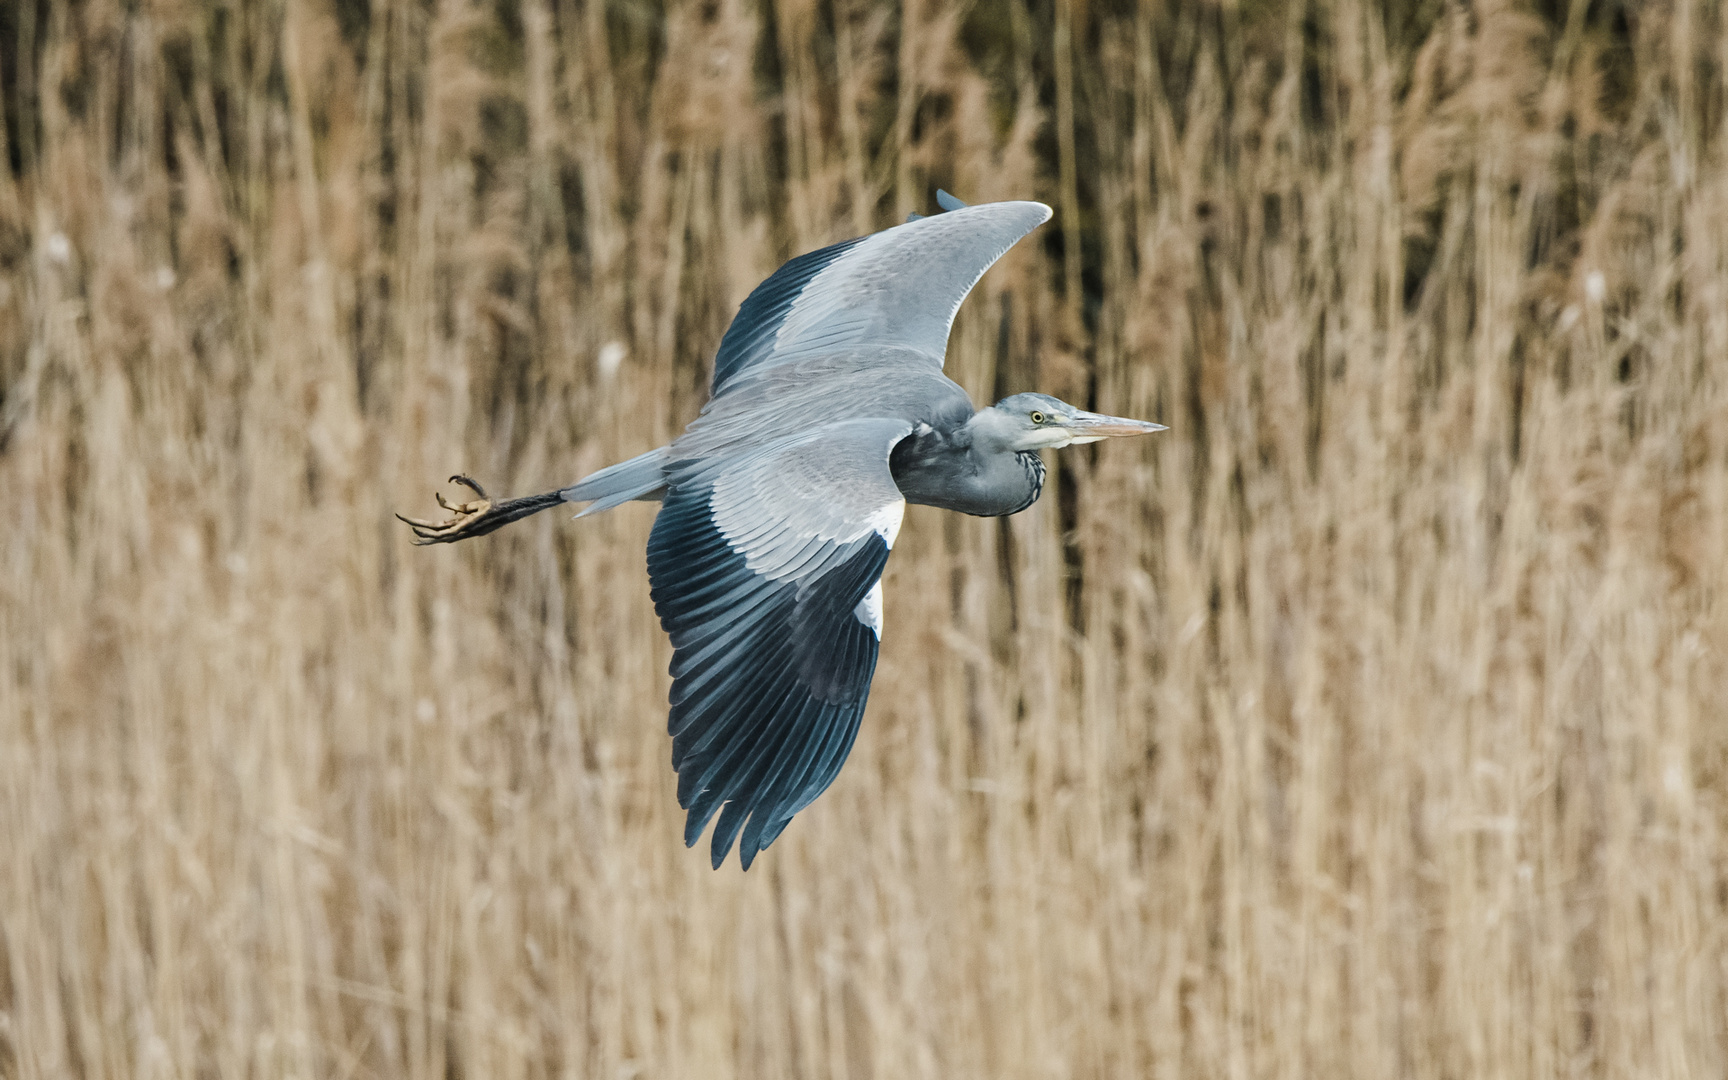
[
  {"x": 990, "y": 431},
  {"x": 967, "y": 470}
]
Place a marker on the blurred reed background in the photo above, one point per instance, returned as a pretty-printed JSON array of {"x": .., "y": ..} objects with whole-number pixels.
[{"x": 1369, "y": 723}]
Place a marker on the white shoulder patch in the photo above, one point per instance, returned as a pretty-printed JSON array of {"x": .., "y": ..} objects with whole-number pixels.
[
  {"x": 869, "y": 609},
  {"x": 886, "y": 521}
]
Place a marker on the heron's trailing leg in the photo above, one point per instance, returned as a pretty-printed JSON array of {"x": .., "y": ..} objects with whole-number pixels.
[
  {"x": 476, "y": 518},
  {"x": 465, "y": 516}
]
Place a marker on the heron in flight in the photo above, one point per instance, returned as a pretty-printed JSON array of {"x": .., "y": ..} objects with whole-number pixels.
[{"x": 828, "y": 413}]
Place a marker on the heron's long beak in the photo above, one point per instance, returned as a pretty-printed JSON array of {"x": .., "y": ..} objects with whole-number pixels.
[{"x": 1090, "y": 427}]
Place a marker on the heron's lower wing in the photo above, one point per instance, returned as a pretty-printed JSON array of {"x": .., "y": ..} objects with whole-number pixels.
[{"x": 765, "y": 569}]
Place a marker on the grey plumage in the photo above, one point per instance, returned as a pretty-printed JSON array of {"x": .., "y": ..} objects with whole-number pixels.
[
  {"x": 829, "y": 412},
  {"x": 639, "y": 478}
]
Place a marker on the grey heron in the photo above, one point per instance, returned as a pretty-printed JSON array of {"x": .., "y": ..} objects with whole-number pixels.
[{"x": 828, "y": 413}]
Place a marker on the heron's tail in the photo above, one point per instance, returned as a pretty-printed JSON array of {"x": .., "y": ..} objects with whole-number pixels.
[{"x": 638, "y": 478}]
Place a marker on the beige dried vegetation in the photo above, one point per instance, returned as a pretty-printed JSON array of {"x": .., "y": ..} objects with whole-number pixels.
[{"x": 1369, "y": 723}]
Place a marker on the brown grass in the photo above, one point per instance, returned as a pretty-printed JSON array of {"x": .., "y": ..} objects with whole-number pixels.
[{"x": 1370, "y": 723}]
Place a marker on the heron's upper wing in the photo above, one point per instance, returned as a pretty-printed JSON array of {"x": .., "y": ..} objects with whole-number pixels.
[
  {"x": 765, "y": 569},
  {"x": 898, "y": 288}
]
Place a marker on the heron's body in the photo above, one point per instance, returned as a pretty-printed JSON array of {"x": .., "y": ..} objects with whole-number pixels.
[
  {"x": 937, "y": 463},
  {"x": 781, "y": 502},
  {"x": 945, "y": 465}
]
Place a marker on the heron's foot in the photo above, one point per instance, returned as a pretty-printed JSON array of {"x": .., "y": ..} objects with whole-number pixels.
[{"x": 465, "y": 522}]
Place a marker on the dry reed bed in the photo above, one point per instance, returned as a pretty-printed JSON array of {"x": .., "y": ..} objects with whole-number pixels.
[{"x": 1369, "y": 723}]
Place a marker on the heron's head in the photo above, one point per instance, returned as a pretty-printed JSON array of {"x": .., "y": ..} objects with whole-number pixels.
[{"x": 1036, "y": 421}]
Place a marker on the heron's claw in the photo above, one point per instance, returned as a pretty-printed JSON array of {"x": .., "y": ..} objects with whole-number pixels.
[{"x": 466, "y": 515}]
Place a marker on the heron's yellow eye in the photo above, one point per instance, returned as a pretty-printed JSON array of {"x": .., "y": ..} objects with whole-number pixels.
[{"x": 1037, "y": 417}]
